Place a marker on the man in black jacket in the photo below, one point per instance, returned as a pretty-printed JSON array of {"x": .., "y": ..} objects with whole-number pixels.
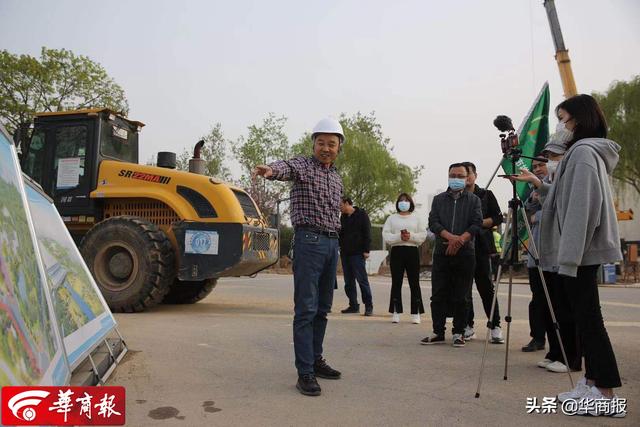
[
  {"x": 485, "y": 247},
  {"x": 455, "y": 218},
  {"x": 355, "y": 243}
]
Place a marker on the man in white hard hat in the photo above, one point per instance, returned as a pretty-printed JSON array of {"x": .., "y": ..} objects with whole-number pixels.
[{"x": 315, "y": 215}]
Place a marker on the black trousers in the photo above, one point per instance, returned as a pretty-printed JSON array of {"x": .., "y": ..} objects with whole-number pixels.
[
  {"x": 582, "y": 294},
  {"x": 537, "y": 306},
  {"x": 484, "y": 284},
  {"x": 451, "y": 278},
  {"x": 564, "y": 315},
  {"x": 405, "y": 259}
]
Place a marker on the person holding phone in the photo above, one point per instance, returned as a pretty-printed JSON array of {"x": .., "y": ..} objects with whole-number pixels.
[
  {"x": 404, "y": 232},
  {"x": 578, "y": 232}
]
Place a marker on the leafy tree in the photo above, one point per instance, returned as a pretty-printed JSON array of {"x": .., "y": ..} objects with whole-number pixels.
[
  {"x": 621, "y": 107},
  {"x": 59, "y": 80},
  {"x": 263, "y": 144},
  {"x": 214, "y": 152},
  {"x": 372, "y": 176}
]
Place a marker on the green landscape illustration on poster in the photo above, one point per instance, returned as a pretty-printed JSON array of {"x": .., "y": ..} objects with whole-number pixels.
[
  {"x": 75, "y": 300},
  {"x": 28, "y": 341}
]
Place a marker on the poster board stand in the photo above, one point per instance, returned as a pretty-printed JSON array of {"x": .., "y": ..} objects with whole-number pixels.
[
  {"x": 32, "y": 348},
  {"x": 55, "y": 318},
  {"x": 116, "y": 350},
  {"x": 82, "y": 312}
]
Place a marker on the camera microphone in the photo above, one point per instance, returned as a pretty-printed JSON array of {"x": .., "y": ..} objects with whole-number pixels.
[{"x": 503, "y": 123}]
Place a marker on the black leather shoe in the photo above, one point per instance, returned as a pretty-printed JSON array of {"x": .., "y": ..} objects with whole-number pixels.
[
  {"x": 533, "y": 346},
  {"x": 325, "y": 371},
  {"x": 351, "y": 309},
  {"x": 308, "y": 385},
  {"x": 368, "y": 311}
]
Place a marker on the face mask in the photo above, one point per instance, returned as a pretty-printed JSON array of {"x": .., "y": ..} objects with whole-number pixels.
[
  {"x": 563, "y": 135},
  {"x": 457, "y": 184},
  {"x": 404, "y": 206}
]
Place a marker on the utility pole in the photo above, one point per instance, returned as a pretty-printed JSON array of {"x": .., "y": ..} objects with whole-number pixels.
[{"x": 562, "y": 54}]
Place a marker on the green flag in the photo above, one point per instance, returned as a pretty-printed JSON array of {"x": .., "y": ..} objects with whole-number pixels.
[{"x": 532, "y": 137}]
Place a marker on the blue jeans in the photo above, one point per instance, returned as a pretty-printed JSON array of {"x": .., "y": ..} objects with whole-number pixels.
[
  {"x": 315, "y": 258},
  {"x": 354, "y": 268}
]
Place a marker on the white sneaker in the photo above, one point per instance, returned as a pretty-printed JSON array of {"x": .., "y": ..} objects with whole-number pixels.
[
  {"x": 469, "y": 333},
  {"x": 595, "y": 404},
  {"x": 544, "y": 363},
  {"x": 458, "y": 340},
  {"x": 496, "y": 336},
  {"x": 415, "y": 318},
  {"x": 395, "y": 318},
  {"x": 558, "y": 367},
  {"x": 578, "y": 392}
]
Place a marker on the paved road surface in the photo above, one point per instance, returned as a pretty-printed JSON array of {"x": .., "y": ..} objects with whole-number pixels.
[{"x": 228, "y": 360}]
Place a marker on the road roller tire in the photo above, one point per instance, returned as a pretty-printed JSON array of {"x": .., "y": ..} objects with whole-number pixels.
[
  {"x": 132, "y": 261},
  {"x": 189, "y": 292}
]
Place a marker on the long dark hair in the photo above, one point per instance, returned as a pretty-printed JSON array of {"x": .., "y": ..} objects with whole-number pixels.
[{"x": 588, "y": 117}]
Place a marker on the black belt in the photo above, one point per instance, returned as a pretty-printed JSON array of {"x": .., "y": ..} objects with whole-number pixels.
[{"x": 316, "y": 230}]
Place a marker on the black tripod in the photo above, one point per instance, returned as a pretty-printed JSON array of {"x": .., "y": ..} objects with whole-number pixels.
[{"x": 510, "y": 258}]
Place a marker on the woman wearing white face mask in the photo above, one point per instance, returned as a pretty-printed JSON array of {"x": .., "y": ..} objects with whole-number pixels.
[
  {"x": 578, "y": 232},
  {"x": 404, "y": 232}
]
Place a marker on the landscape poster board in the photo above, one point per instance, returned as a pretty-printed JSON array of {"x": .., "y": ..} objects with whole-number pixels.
[
  {"x": 83, "y": 315},
  {"x": 31, "y": 347}
]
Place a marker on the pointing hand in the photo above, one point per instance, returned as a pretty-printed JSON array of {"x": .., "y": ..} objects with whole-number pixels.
[{"x": 261, "y": 170}]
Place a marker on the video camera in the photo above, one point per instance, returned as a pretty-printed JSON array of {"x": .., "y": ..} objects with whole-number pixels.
[
  {"x": 509, "y": 137},
  {"x": 509, "y": 141}
]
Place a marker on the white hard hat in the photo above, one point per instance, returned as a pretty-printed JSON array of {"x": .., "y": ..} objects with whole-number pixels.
[{"x": 328, "y": 125}]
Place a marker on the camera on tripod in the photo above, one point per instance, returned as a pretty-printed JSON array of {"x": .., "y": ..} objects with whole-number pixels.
[
  {"x": 509, "y": 137},
  {"x": 512, "y": 240}
]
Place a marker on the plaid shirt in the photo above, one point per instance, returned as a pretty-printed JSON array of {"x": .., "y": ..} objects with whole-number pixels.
[{"x": 316, "y": 192}]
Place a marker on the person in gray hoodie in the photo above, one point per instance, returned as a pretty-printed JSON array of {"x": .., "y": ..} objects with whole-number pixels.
[
  {"x": 578, "y": 232},
  {"x": 553, "y": 360}
]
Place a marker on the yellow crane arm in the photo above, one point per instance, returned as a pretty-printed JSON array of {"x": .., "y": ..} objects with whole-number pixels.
[
  {"x": 562, "y": 54},
  {"x": 624, "y": 215}
]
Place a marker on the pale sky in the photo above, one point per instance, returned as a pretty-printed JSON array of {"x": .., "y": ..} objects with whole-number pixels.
[{"x": 435, "y": 73}]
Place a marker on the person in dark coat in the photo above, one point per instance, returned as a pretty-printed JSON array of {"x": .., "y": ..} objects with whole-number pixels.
[
  {"x": 455, "y": 218},
  {"x": 485, "y": 247},
  {"x": 355, "y": 243}
]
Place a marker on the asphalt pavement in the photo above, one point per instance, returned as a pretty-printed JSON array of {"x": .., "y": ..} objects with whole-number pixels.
[{"x": 228, "y": 361}]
